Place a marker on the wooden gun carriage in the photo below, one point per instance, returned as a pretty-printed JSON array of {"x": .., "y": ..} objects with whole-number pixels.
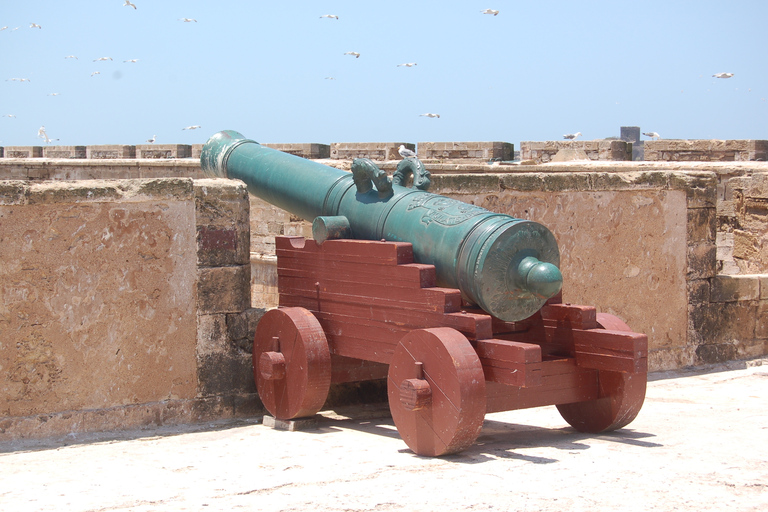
[{"x": 352, "y": 310}]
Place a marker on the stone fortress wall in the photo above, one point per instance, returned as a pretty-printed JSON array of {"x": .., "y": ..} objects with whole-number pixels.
[{"x": 141, "y": 282}]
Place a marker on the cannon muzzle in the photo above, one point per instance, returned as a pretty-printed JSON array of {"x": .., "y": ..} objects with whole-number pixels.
[{"x": 507, "y": 266}]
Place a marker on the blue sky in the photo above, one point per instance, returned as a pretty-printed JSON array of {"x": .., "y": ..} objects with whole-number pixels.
[{"x": 536, "y": 71}]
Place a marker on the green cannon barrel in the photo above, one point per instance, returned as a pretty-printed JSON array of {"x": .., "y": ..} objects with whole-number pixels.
[{"x": 507, "y": 266}]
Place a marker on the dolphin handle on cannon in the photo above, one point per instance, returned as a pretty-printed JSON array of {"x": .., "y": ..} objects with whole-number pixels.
[{"x": 458, "y": 307}]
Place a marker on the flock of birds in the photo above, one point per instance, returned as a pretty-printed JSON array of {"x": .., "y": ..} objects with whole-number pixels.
[
  {"x": 493, "y": 12},
  {"x": 41, "y": 132}
]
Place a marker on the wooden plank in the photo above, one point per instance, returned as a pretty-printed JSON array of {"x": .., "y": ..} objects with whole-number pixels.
[
  {"x": 620, "y": 351},
  {"x": 571, "y": 315},
  {"x": 346, "y": 369},
  {"x": 346, "y": 250},
  {"x": 408, "y": 274},
  {"x": 562, "y": 382},
  {"x": 509, "y": 362}
]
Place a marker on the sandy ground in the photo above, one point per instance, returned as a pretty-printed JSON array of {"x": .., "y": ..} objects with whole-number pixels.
[{"x": 700, "y": 443}]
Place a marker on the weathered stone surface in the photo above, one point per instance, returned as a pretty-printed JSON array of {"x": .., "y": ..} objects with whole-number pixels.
[
  {"x": 466, "y": 150},
  {"x": 223, "y": 289},
  {"x": 310, "y": 150},
  {"x": 735, "y": 288},
  {"x": 222, "y": 218},
  {"x": 110, "y": 151},
  {"x": 702, "y": 261},
  {"x": 724, "y": 331},
  {"x": 23, "y": 152},
  {"x": 545, "y": 151},
  {"x": 698, "y": 291},
  {"x": 702, "y": 225},
  {"x": 677, "y": 150},
  {"x": 64, "y": 152},
  {"x": 115, "y": 300},
  {"x": 163, "y": 151},
  {"x": 372, "y": 150},
  {"x": 242, "y": 326}
]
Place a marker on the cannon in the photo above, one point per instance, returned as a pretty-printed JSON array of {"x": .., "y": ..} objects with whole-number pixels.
[{"x": 459, "y": 308}]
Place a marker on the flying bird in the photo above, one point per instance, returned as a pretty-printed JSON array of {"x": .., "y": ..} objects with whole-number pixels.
[
  {"x": 193, "y": 127},
  {"x": 652, "y": 135},
  {"x": 41, "y": 133},
  {"x": 571, "y": 136},
  {"x": 188, "y": 20},
  {"x": 9, "y": 115},
  {"x": 3, "y": 28},
  {"x": 428, "y": 114},
  {"x": 96, "y": 73},
  {"x": 131, "y": 60},
  {"x": 490, "y": 11},
  {"x": 152, "y": 140},
  {"x": 357, "y": 55},
  {"x": 723, "y": 75},
  {"x": 34, "y": 25},
  {"x": 102, "y": 58},
  {"x": 70, "y": 57},
  {"x": 330, "y": 16},
  {"x": 129, "y": 4},
  {"x": 19, "y": 80},
  {"x": 53, "y": 94},
  {"x": 407, "y": 64},
  {"x": 405, "y": 152},
  {"x": 329, "y": 78}
]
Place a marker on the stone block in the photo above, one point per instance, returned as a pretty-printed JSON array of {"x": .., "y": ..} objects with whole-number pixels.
[
  {"x": 64, "y": 152},
  {"x": 243, "y": 325},
  {"x": 698, "y": 291},
  {"x": 222, "y": 218},
  {"x": 212, "y": 334},
  {"x": 735, "y": 288},
  {"x": 723, "y": 331},
  {"x": 701, "y": 226},
  {"x": 761, "y": 322},
  {"x": 163, "y": 151},
  {"x": 290, "y": 425},
  {"x": 310, "y": 150},
  {"x": 374, "y": 150},
  {"x": 13, "y": 192},
  {"x": 702, "y": 261},
  {"x": 763, "y": 278},
  {"x": 498, "y": 151},
  {"x": 2, "y": 151},
  {"x": 746, "y": 245},
  {"x": 110, "y": 151},
  {"x": 23, "y": 152},
  {"x": 706, "y": 150},
  {"x": 223, "y": 289},
  {"x": 197, "y": 150}
]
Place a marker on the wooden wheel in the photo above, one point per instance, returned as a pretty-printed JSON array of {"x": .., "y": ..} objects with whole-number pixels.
[
  {"x": 291, "y": 363},
  {"x": 621, "y": 394},
  {"x": 436, "y": 389}
]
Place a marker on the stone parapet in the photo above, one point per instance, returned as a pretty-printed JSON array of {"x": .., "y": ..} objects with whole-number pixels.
[
  {"x": 110, "y": 151},
  {"x": 23, "y": 152},
  {"x": 310, "y": 150},
  {"x": 603, "y": 150},
  {"x": 497, "y": 151},
  {"x": 372, "y": 150},
  {"x": 163, "y": 151},
  {"x": 64, "y": 152},
  {"x": 679, "y": 150}
]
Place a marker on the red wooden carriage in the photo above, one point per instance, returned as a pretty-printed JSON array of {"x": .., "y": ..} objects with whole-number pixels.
[{"x": 352, "y": 310}]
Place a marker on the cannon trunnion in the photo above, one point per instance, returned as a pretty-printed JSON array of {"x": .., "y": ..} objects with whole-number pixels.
[{"x": 457, "y": 307}]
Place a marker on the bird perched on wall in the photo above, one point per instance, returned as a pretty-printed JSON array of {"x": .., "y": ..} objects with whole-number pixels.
[
  {"x": 405, "y": 152},
  {"x": 129, "y": 4},
  {"x": 357, "y": 55},
  {"x": 152, "y": 140},
  {"x": 653, "y": 135},
  {"x": 723, "y": 75},
  {"x": 571, "y": 136},
  {"x": 407, "y": 64},
  {"x": 329, "y": 16},
  {"x": 429, "y": 114},
  {"x": 193, "y": 127},
  {"x": 490, "y": 11}
]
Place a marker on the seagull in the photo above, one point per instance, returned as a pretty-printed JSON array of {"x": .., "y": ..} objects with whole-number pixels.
[
  {"x": 407, "y": 64},
  {"x": 19, "y": 80},
  {"x": 571, "y": 136},
  {"x": 405, "y": 152},
  {"x": 54, "y": 94},
  {"x": 131, "y": 60},
  {"x": 723, "y": 75},
  {"x": 3, "y": 28},
  {"x": 102, "y": 58},
  {"x": 329, "y": 78},
  {"x": 152, "y": 140},
  {"x": 70, "y": 57},
  {"x": 128, "y": 4},
  {"x": 193, "y": 127},
  {"x": 490, "y": 11},
  {"x": 330, "y": 16},
  {"x": 187, "y": 20},
  {"x": 652, "y": 135},
  {"x": 357, "y": 55},
  {"x": 96, "y": 73},
  {"x": 41, "y": 133},
  {"x": 428, "y": 114},
  {"x": 34, "y": 25},
  {"x": 9, "y": 115}
]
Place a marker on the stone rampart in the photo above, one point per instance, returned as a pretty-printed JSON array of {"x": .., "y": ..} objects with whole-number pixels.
[
  {"x": 679, "y": 150},
  {"x": 604, "y": 150}
]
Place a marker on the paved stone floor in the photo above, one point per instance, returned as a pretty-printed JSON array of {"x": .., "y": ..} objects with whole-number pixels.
[{"x": 700, "y": 443}]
